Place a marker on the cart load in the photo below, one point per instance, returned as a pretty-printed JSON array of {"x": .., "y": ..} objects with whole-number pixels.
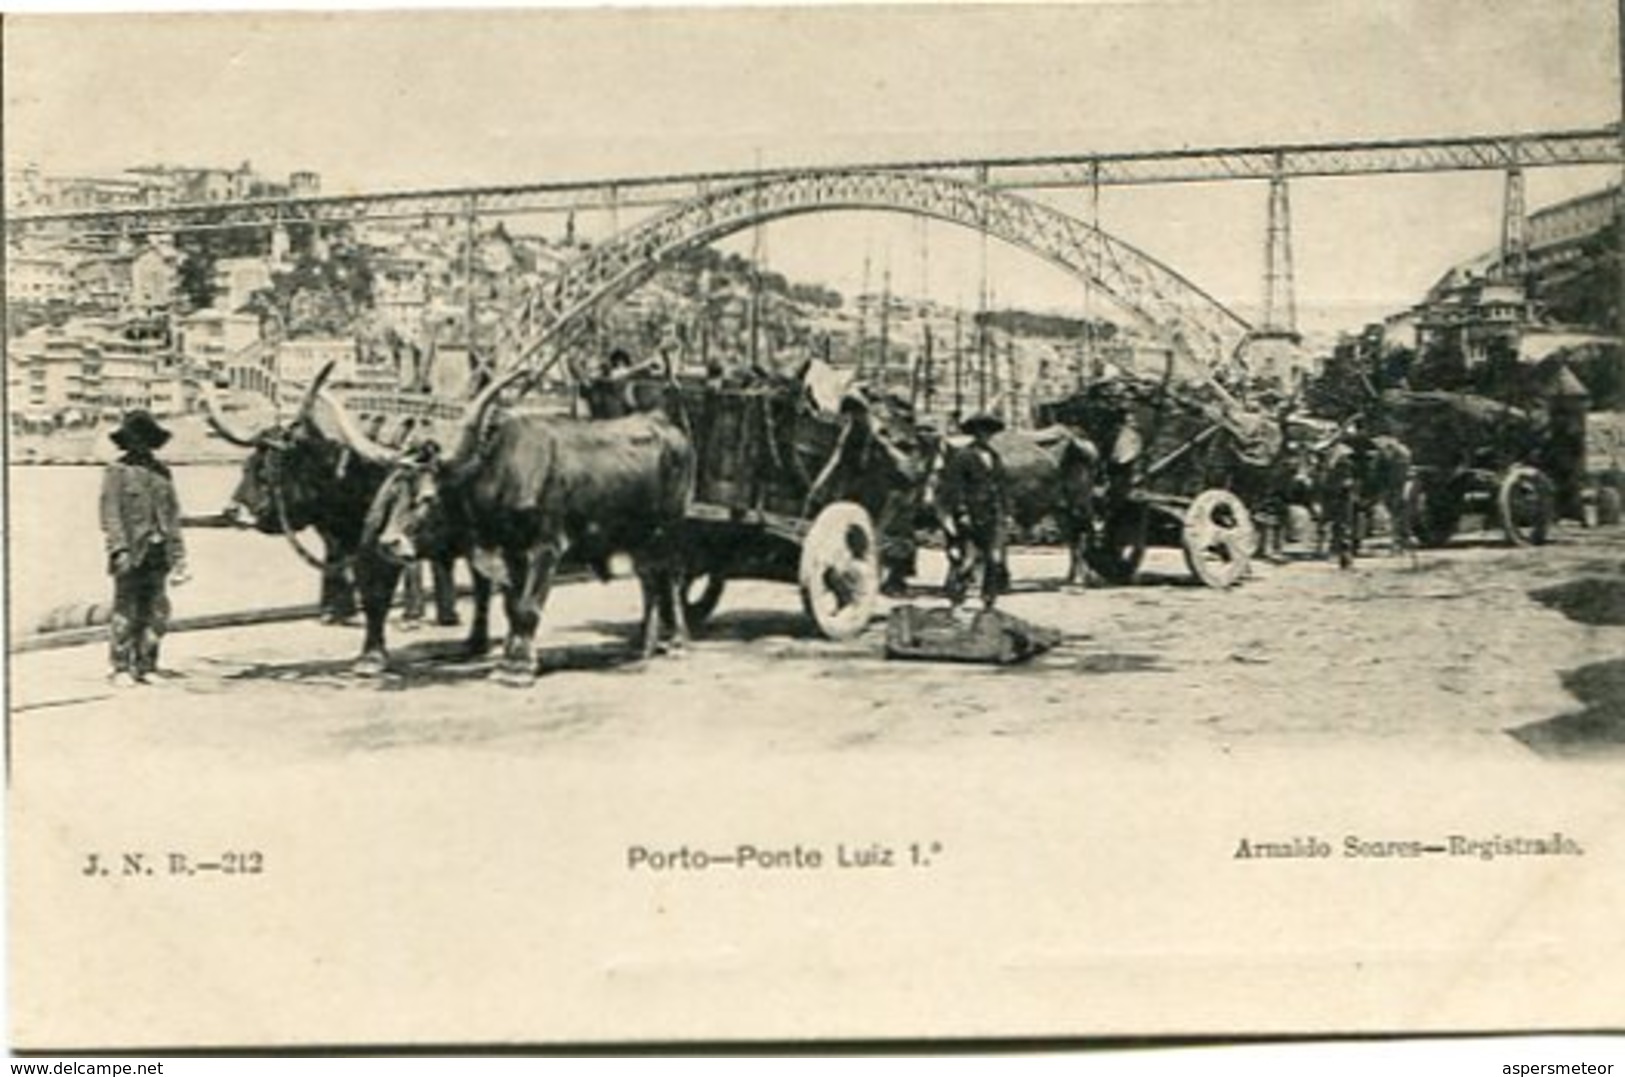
[
  {"x": 786, "y": 490},
  {"x": 1474, "y": 454},
  {"x": 1185, "y": 467}
]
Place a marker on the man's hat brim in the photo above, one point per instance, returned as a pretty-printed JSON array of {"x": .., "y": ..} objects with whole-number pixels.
[{"x": 139, "y": 430}]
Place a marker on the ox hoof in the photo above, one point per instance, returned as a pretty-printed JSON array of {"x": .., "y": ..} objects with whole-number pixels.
[
  {"x": 476, "y": 648},
  {"x": 450, "y": 620},
  {"x": 370, "y": 665}
]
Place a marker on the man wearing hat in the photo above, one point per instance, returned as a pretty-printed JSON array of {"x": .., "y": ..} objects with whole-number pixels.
[
  {"x": 974, "y": 510},
  {"x": 141, "y": 521}
]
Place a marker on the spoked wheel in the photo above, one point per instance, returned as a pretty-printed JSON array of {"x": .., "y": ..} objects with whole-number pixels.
[
  {"x": 840, "y": 570},
  {"x": 701, "y": 594},
  {"x": 1524, "y": 502},
  {"x": 1120, "y": 547},
  {"x": 1218, "y": 538}
]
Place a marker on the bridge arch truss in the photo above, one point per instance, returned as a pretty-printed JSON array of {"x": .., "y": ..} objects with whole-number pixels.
[{"x": 1197, "y": 327}]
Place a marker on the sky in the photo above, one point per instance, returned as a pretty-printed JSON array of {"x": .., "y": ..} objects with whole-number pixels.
[{"x": 402, "y": 99}]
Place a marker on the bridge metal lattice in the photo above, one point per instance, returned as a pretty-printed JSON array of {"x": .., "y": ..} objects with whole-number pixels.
[
  {"x": 1195, "y": 325},
  {"x": 1592, "y": 146}
]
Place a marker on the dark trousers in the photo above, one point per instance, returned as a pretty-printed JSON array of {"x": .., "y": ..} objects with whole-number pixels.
[
  {"x": 140, "y": 615},
  {"x": 981, "y": 545},
  {"x": 445, "y": 593}
]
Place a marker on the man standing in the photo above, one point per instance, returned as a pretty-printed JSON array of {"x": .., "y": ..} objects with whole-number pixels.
[
  {"x": 975, "y": 508},
  {"x": 141, "y": 521}
]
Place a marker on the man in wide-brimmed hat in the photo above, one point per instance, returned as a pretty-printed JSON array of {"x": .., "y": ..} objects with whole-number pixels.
[
  {"x": 141, "y": 521},
  {"x": 973, "y": 506}
]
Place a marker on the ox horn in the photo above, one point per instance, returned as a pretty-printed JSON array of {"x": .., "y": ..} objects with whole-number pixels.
[
  {"x": 468, "y": 439},
  {"x": 356, "y": 441},
  {"x": 309, "y": 400},
  {"x": 217, "y": 419}
]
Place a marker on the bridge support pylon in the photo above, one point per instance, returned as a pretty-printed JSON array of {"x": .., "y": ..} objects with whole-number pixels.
[
  {"x": 1514, "y": 264},
  {"x": 1272, "y": 352},
  {"x": 1280, "y": 300}
]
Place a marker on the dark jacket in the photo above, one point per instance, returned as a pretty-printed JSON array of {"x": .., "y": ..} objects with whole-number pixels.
[
  {"x": 139, "y": 510},
  {"x": 973, "y": 489}
]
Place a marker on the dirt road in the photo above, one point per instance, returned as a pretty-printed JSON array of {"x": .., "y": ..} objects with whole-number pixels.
[{"x": 1450, "y": 648}]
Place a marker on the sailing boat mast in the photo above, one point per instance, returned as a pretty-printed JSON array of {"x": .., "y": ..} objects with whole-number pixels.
[
  {"x": 982, "y": 331},
  {"x": 959, "y": 364},
  {"x": 882, "y": 373},
  {"x": 863, "y": 318},
  {"x": 924, "y": 375},
  {"x": 757, "y": 253}
]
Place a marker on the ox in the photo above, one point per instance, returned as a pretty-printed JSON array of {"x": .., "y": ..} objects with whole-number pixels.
[
  {"x": 520, "y": 495},
  {"x": 1354, "y": 474},
  {"x": 1047, "y": 473},
  {"x": 296, "y": 477}
]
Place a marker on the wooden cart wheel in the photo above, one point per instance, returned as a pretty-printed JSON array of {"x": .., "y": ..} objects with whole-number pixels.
[
  {"x": 701, "y": 594},
  {"x": 1524, "y": 503},
  {"x": 1119, "y": 549},
  {"x": 1218, "y": 538},
  {"x": 840, "y": 570}
]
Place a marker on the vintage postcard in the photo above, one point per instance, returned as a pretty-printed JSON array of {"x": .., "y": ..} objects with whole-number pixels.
[{"x": 814, "y": 524}]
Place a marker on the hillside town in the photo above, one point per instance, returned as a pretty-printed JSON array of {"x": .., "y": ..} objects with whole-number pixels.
[{"x": 98, "y": 323}]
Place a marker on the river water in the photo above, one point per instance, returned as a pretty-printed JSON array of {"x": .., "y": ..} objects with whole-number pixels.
[{"x": 55, "y": 555}]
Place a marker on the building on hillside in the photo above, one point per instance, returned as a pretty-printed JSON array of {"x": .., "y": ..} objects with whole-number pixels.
[
  {"x": 37, "y": 274},
  {"x": 1475, "y": 317},
  {"x": 45, "y": 375},
  {"x": 90, "y": 367},
  {"x": 25, "y": 187},
  {"x": 154, "y": 280},
  {"x": 297, "y": 361},
  {"x": 126, "y": 373},
  {"x": 103, "y": 283},
  {"x": 403, "y": 283},
  {"x": 29, "y": 189},
  {"x": 1557, "y": 233},
  {"x": 94, "y": 192},
  {"x": 209, "y": 339},
  {"x": 237, "y": 279}
]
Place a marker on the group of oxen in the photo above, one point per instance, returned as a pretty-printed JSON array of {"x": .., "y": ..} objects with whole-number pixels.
[
  {"x": 516, "y": 491},
  {"x": 511, "y": 496}
]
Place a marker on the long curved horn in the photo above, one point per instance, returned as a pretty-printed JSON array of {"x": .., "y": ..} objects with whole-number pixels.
[
  {"x": 316, "y": 383},
  {"x": 468, "y": 438},
  {"x": 216, "y": 418},
  {"x": 357, "y": 442}
]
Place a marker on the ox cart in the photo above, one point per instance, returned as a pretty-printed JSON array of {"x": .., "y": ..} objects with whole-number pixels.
[
  {"x": 786, "y": 492},
  {"x": 1471, "y": 454},
  {"x": 1180, "y": 472}
]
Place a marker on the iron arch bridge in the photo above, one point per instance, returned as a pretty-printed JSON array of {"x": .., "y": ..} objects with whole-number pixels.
[{"x": 1198, "y": 328}]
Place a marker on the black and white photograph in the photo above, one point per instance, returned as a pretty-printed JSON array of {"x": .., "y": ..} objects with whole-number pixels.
[{"x": 815, "y": 525}]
